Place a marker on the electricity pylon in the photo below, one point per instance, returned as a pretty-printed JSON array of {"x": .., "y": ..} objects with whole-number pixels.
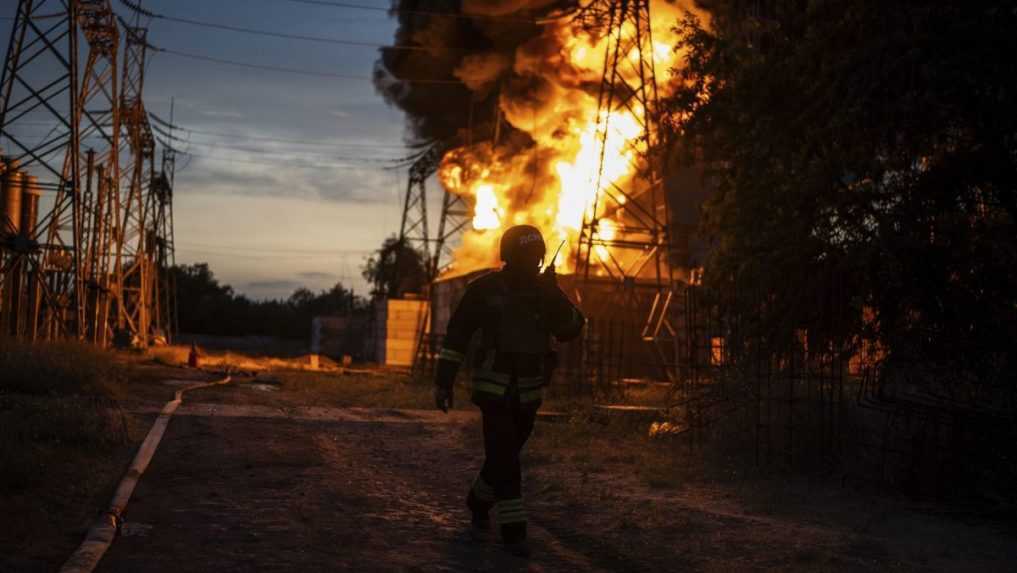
[
  {"x": 160, "y": 224},
  {"x": 165, "y": 315},
  {"x": 99, "y": 199},
  {"x": 625, "y": 235},
  {"x": 413, "y": 229},
  {"x": 454, "y": 216},
  {"x": 137, "y": 253},
  {"x": 61, "y": 260}
]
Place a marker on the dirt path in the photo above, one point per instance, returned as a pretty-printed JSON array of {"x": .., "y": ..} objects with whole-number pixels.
[
  {"x": 233, "y": 492},
  {"x": 251, "y": 487}
]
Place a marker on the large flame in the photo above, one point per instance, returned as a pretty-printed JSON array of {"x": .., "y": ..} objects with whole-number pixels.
[{"x": 552, "y": 181}]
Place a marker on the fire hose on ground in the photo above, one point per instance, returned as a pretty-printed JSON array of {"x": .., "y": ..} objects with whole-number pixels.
[{"x": 102, "y": 533}]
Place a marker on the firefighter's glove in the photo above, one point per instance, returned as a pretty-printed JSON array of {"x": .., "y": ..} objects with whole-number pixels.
[{"x": 443, "y": 398}]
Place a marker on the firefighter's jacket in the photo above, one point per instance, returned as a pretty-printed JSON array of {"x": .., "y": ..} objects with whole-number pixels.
[{"x": 516, "y": 319}]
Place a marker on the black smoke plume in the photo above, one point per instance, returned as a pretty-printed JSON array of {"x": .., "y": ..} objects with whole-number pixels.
[{"x": 462, "y": 54}]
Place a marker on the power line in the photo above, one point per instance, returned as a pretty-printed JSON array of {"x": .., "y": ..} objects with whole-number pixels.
[
  {"x": 164, "y": 132},
  {"x": 281, "y": 163},
  {"x": 259, "y": 66},
  {"x": 287, "y": 250},
  {"x": 262, "y": 256},
  {"x": 330, "y": 4},
  {"x": 283, "y": 69},
  {"x": 273, "y": 152},
  {"x": 165, "y": 123},
  {"x": 284, "y": 140},
  {"x": 269, "y": 33}
]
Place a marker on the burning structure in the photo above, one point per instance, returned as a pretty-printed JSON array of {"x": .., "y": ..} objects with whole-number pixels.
[
  {"x": 546, "y": 113},
  {"x": 554, "y": 123}
]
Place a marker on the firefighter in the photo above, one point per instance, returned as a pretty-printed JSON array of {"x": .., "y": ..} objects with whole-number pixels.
[{"x": 517, "y": 311}]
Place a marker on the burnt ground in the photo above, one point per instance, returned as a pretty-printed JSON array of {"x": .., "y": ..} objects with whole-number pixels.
[{"x": 247, "y": 480}]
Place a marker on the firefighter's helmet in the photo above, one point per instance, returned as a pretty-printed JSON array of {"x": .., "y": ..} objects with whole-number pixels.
[{"x": 522, "y": 238}]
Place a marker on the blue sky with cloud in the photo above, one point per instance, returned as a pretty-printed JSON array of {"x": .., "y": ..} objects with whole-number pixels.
[{"x": 295, "y": 194}]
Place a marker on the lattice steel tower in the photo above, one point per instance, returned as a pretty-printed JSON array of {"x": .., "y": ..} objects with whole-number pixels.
[
  {"x": 136, "y": 258},
  {"x": 164, "y": 317},
  {"x": 454, "y": 216},
  {"x": 99, "y": 199},
  {"x": 413, "y": 229},
  {"x": 55, "y": 272},
  {"x": 625, "y": 235}
]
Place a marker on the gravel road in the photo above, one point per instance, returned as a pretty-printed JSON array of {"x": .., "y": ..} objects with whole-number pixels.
[{"x": 251, "y": 486}]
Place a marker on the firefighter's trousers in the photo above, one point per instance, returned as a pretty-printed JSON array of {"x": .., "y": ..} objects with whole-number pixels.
[{"x": 507, "y": 426}]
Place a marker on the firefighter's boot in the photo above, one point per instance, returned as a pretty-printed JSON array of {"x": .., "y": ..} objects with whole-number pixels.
[
  {"x": 513, "y": 535},
  {"x": 480, "y": 520}
]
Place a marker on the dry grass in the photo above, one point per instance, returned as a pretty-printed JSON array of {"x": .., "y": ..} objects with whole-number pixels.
[
  {"x": 64, "y": 442},
  {"x": 54, "y": 397},
  {"x": 232, "y": 361},
  {"x": 59, "y": 368}
]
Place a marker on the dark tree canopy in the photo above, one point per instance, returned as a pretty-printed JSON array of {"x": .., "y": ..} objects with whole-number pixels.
[
  {"x": 874, "y": 142},
  {"x": 395, "y": 269},
  {"x": 207, "y": 307}
]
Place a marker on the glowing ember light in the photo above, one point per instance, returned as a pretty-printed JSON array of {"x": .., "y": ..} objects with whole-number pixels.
[
  {"x": 579, "y": 178},
  {"x": 662, "y": 54},
  {"x": 486, "y": 214},
  {"x": 606, "y": 231}
]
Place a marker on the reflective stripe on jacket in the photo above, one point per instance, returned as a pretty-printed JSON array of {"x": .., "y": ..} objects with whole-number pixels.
[
  {"x": 517, "y": 320},
  {"x": 491, "y": 384}
]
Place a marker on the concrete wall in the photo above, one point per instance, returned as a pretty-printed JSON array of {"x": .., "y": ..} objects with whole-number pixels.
[{"x": 337, "y": 336}]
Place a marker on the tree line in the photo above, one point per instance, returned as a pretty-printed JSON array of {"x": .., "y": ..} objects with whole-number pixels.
[{"x": 206, "y": 306}]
